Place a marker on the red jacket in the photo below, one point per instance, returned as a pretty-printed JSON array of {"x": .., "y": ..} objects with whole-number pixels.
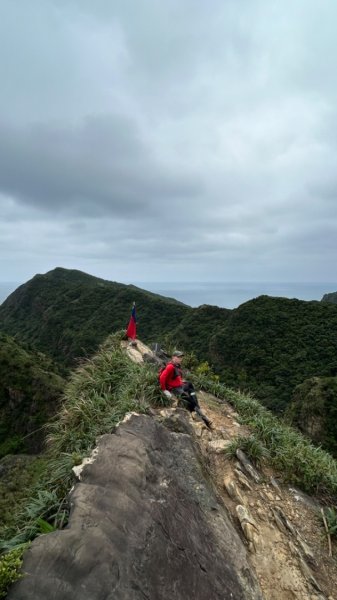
[{"x": 167, "y": 378}]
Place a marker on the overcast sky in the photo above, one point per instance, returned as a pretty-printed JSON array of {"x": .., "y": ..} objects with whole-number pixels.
[{"x": 182, "y": 140}]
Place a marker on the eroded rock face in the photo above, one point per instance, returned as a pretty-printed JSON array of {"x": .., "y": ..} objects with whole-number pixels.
[{"x": 145, "y": 525}]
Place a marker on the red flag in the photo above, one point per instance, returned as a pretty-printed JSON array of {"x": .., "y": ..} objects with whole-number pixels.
[{"x": 131, "y": 331}]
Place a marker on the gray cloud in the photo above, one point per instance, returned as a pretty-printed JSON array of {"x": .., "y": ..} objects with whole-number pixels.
[
  {"x": 101, "y": 167},
  {"x": 168, "y": 141}
]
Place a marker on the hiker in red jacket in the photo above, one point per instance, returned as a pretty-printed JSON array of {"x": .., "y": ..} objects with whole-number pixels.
[
  {"x": 171, "y": 376},
  {"x": 172, "y": 383}
]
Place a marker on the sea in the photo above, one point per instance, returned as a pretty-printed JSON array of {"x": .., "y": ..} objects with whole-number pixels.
[
  {"x": 223, "y": 294},
  {"x": 232, "y": 294}
]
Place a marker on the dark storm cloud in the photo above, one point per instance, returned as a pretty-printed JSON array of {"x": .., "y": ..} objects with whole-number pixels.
[{"x": 101, "y": 167}]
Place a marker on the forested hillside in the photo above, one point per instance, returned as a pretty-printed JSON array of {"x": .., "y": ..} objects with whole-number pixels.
[
  {"x": 29, "y": 395},
  {"x": 313, "y": 410},
  {"x": 271, "y": 345},
  {"x": 67, "y": 313}
]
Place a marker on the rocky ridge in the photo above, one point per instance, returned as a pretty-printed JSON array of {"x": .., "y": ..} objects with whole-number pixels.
[{"x": 159, "y": 511}]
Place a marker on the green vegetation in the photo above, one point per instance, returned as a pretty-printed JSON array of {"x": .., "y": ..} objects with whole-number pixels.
[
  {"x": 10, "y": 565},
  {"x": 288, "y": 451},
  {"x": 29, "y": 395},
  {"x": 67, "y": 314},
  {"x": 19, "y": 475},
  {"x": 196, "y": 329},
  {"x": 313, "y": 410},
  {"x": 96, "y": 398},
  {"x": 251, "y": 446},
  {"x": 44, "y": 502},
  {"x": 268, "y": 346}
]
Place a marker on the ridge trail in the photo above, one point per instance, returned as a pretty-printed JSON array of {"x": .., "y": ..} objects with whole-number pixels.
[{"x": 290, "y": 562}]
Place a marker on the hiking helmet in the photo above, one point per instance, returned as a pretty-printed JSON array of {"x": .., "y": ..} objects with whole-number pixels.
[{"x": 177, "y": 353}]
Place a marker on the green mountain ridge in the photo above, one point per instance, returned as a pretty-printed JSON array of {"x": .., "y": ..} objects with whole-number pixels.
[
  {"x": 67, "y": 313},
  {"x": 267, "y": 346}
]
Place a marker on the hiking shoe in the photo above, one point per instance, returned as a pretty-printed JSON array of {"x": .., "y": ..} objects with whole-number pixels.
[{"x": 205, "y": 419}]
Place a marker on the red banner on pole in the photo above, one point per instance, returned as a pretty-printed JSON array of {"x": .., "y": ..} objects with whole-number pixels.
[{"x": 131, "y": 331}]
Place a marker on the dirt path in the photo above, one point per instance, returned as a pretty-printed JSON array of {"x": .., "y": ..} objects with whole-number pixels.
[{"x": 283, "y": 530}]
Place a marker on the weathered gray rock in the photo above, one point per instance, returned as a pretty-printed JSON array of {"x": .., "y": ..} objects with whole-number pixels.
[
  {"x": 233, "y": 490},
  {"x": 152, "y": 359},
  {"x": 279, "y": 521},
  {"x": 305, "y": 499},
  {"x": 247, "y": 465},
  {"x": 306, "y": 571},
  {"x": 218, "y": 446},
  {"x": 307, "y": 551},
  {"x": 308, "y": 575},
  {"x": 243, "y": 479},
  {"x": 276, "y": 485},
  {"x": 145, "y": 525},
  {"x": 249, "y": 527},
  {"x": 287, "y": 524}
]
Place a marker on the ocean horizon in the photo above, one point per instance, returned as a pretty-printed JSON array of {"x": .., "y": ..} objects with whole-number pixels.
[
  {"x": 223, "y": 294},
  {"x": 232, "y": 294}
]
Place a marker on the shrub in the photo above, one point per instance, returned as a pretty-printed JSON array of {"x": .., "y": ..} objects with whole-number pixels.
[
  {"x": 204, "y": 370},
  {"x": 10, "y": 564}
]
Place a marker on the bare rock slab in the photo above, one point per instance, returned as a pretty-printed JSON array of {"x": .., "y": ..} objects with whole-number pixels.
[
  {"x": 145, "y": 524},
  {"x": 218, "y": 446},
  {"x": 247, "y": 465}
]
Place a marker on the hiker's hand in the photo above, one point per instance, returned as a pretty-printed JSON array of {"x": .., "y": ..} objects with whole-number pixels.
[{"x": 167, "y": 394}]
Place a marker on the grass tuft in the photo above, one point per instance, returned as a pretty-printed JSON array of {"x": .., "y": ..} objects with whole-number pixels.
[
  {"x": 98, "y": 396},
  {"x": 251, "y": 446}
]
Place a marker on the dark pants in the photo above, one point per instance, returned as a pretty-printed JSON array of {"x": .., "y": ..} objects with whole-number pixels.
[
  {"x": 188, "y": 399},
  {"x": 187, "y": 396}
]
